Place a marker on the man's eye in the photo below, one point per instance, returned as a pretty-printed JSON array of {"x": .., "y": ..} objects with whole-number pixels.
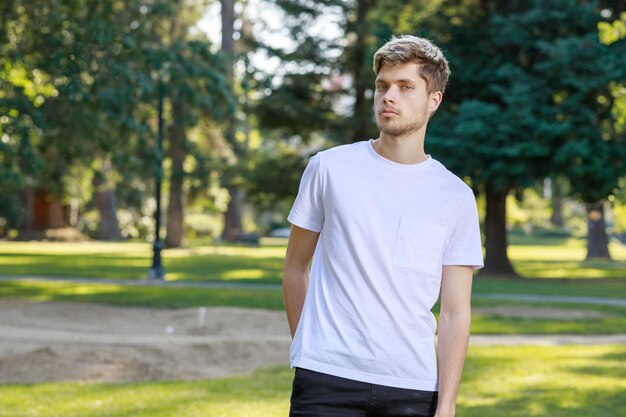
[
  {"x": 408, "y": 87},
  {"x": 381, "y": 87}
]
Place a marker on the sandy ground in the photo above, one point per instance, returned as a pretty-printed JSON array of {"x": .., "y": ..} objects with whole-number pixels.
[{"x": 56, "y": 341}]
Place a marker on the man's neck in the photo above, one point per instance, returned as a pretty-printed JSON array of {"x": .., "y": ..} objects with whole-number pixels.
[{"x": 407, "y": 150}]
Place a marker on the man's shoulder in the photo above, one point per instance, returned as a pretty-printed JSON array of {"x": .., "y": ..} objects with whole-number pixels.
[
  {"x": 346, "y": 149},
  {"x": 341, "y": 153},
  {"x": 450, "y": 179}
]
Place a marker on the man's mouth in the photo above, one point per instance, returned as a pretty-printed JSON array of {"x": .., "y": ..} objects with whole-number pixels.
[{"x": 388, "y": 112}]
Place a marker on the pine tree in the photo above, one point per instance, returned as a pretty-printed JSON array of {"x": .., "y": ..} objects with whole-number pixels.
[{"x": 516, "y": 104}]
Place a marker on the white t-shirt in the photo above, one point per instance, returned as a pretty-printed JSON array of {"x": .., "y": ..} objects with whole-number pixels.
[{"x": 386, "y": 230}]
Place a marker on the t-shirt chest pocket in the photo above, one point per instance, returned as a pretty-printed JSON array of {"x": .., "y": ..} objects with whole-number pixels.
[{"x": 419, "y": 246}]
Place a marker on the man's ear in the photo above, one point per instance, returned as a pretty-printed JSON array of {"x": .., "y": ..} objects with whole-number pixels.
[{"x": 434, "y": 100}]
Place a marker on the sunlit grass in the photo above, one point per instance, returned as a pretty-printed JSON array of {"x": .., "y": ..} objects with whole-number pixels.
[
  {"x": 512, "y": 381},
  {"x": 544, "y": 381},
  {"x": 563, "y": 258},
  {"x": 262, "y": 394},
  {"x": 75, "y": 248},
  {"x": 128, "y": 260},
  {"x": 532, "y": 257}
]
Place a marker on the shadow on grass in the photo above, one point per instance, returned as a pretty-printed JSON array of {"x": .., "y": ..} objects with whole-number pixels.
[
  {"x": 611, "y": 364},
  {"x": 264, "y": 393},
  {"x": 550, "y": 402},
  {"x": 519, "y": 239},
  {"x": 206, "y": 267},
  {"x": 142, "y": 296},
  {"x": 495, "y": 324},
  {"x": 537, "y": 381},
  {"x": 612, "y": 288},
  {"x": 549, "y": 269}
]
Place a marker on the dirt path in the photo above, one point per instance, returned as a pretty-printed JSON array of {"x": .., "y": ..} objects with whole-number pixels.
[
  {"x": 55, "y": 341},
  {"x": 72, "y": 341}
]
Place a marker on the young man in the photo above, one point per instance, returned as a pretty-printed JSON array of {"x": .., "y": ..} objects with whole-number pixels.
[{"x": 388, "y": 229}]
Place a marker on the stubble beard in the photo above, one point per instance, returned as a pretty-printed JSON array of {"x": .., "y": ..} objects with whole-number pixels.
[{"x": 400, "y": 128}]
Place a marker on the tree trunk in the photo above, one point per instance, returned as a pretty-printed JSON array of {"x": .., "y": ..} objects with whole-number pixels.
[
  {"x": 28, "y": 207},
  {"x": 232, "y": 216},
  {"x": 228, "y": 23},
  {"x": 496, "y": 258},
  {"x": 105, "y": 201},
  {"x": 597, "y": 239},
  {"x": 42, "y": 211},
  {"x": 175, "y": 234},
  {"x": 109, "y": 228},
  {"x": 361, "y": 72},
  {"x": 556, "y": 200},
  {"x": 47, "y": 211}
]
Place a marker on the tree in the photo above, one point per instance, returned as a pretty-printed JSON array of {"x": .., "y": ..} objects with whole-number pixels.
[
  {"x": 301, "y": 99},
  {"x": 358, "y": 57},
  {"x": 232, "y": 216},
  {"x": 94, "y": 71},
  {"x": 197, "y": 87},
  {"x": 586, "y": 91},
  {"x": 83, "y": 96},
  {"x": 505, "y": 106}
]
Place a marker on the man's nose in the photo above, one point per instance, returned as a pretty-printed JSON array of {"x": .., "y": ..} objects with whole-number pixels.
[{"x": 390, "y": 95}]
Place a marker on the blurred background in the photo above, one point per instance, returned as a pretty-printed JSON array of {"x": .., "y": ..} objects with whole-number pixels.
[
  {"x": 199, "y": 116},
  {"x": 534, "y": 117}
]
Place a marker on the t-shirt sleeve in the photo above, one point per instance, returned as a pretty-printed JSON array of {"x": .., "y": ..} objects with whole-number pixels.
[
  {"x": 308, "y": 209},
  {"x": 464, "y": 246}
]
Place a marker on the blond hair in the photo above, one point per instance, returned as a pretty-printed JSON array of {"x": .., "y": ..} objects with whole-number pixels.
[{"x": 433, "y": 66}]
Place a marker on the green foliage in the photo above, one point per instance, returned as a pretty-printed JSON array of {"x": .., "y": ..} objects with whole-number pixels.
[
  {"x": 530, "y": 211},
  {"x": 199, "y": 224},
  {"x": 618, "y": 202},
  {"x": 20, "y": 129},
  {"x": 525, "y": 92},
  {"x": 611, "y": 32},
  {"x": 301, "y": 98},
  {"x": 298, "y": 107},
  {"x": 535, "y": 91},
  {"x": 584, "y": 72},
  {"x": 80, "y": 82},
  {"x": 273, "y": 176}
]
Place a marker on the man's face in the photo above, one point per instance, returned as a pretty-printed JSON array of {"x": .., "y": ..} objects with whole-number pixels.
[{"x": 402, "y": 104}]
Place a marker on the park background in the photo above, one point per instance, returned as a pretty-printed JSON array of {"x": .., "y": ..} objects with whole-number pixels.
[{"x": 241, "y": 94}]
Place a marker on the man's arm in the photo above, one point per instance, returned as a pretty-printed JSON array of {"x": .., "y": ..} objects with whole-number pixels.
[
  {"x": 453, "y": 336},
  {"x": 300, "y": 249}
]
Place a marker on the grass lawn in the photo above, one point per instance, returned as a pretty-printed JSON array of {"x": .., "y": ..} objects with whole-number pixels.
[
  {"x": 563, "y": 258},
  {"x": 613, "y": 322},
  {"x": 159, "y": 297},
  {"x": 538, "y": 258},
  {"x": 545, "y": 258},
  {"x": 128, "y": 260},
  {"x": 512, "y": 381}
]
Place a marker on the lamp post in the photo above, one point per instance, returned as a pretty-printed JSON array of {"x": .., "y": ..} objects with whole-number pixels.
[{"x": 156, "y": 272}]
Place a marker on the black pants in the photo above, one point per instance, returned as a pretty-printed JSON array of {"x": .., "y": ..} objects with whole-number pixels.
[{"x": 320, "y": 395}]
